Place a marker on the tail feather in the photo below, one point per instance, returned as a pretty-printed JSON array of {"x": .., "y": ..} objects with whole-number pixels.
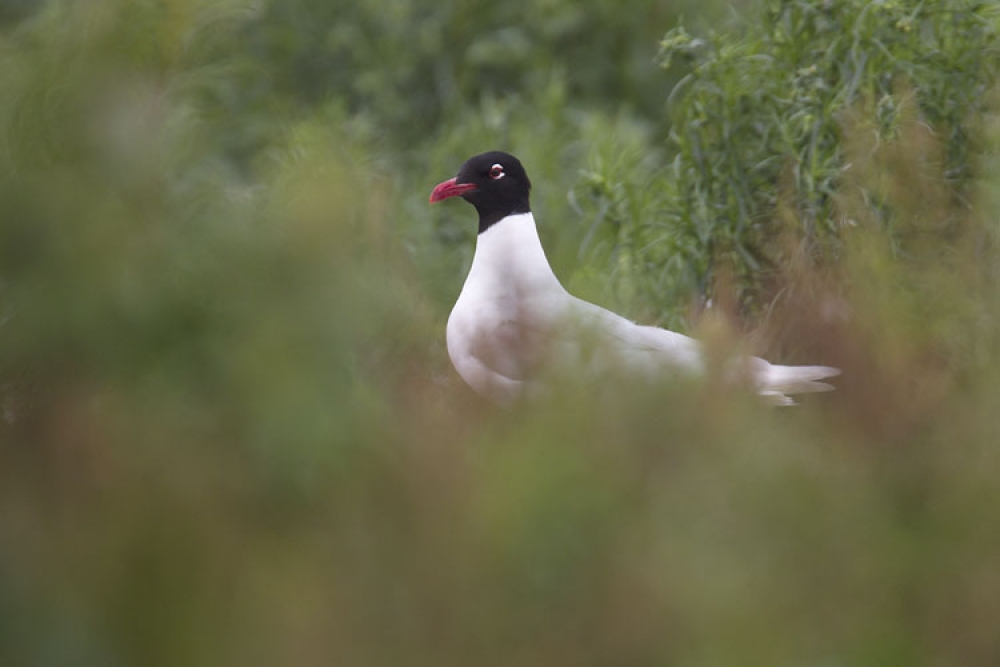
[{"x": 774, "y": 382}]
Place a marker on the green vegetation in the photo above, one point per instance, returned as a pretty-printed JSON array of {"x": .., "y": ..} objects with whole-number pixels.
[
  {"x": 767, "y": 125},
  {"x": 229, "y": 430}
]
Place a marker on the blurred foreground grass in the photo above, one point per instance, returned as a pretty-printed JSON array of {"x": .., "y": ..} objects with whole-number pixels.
[{"x": 231, "y": 434}]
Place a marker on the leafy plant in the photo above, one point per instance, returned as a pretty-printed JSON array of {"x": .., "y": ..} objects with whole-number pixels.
[{"x": 759, "y": 129}]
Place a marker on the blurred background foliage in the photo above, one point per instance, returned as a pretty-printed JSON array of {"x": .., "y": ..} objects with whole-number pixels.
[{"x": 230, "y": 433}]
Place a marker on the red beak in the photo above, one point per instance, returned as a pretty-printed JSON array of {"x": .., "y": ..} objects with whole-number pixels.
[{"x": 450, "y": 189}]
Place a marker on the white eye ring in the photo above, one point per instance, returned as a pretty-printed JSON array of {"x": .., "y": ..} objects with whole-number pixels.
[{"x": 496, "y": 172}]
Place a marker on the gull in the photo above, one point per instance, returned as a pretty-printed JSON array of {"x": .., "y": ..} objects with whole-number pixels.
[{"x": 514, "y": 322}]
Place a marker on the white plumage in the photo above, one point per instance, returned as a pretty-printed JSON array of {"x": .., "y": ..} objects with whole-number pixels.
[
  {"x": 514, "y": 324},
  {"x": 514, "y": 318}
]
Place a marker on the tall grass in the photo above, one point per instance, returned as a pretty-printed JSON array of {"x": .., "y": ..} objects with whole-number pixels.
[
  {"x": 759, "y": 126},
  {"x": 230, "y": 433}
]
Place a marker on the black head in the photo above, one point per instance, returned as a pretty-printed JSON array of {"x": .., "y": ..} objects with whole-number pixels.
[{"x": 494, "y": 182}]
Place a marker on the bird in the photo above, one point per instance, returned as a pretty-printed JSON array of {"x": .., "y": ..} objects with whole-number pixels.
[{"x": 514, "y": 321}]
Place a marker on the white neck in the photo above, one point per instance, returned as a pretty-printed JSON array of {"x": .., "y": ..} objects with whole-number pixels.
[{"x": 510, "y": 253}]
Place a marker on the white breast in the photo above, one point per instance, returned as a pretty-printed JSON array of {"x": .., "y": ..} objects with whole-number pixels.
[
  {"x": 513, "y": 317},
  {"x": 507, "y": 307}
]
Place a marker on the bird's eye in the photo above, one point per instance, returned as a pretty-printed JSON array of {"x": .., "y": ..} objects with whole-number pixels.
[{"x": 496, "y": 172}]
